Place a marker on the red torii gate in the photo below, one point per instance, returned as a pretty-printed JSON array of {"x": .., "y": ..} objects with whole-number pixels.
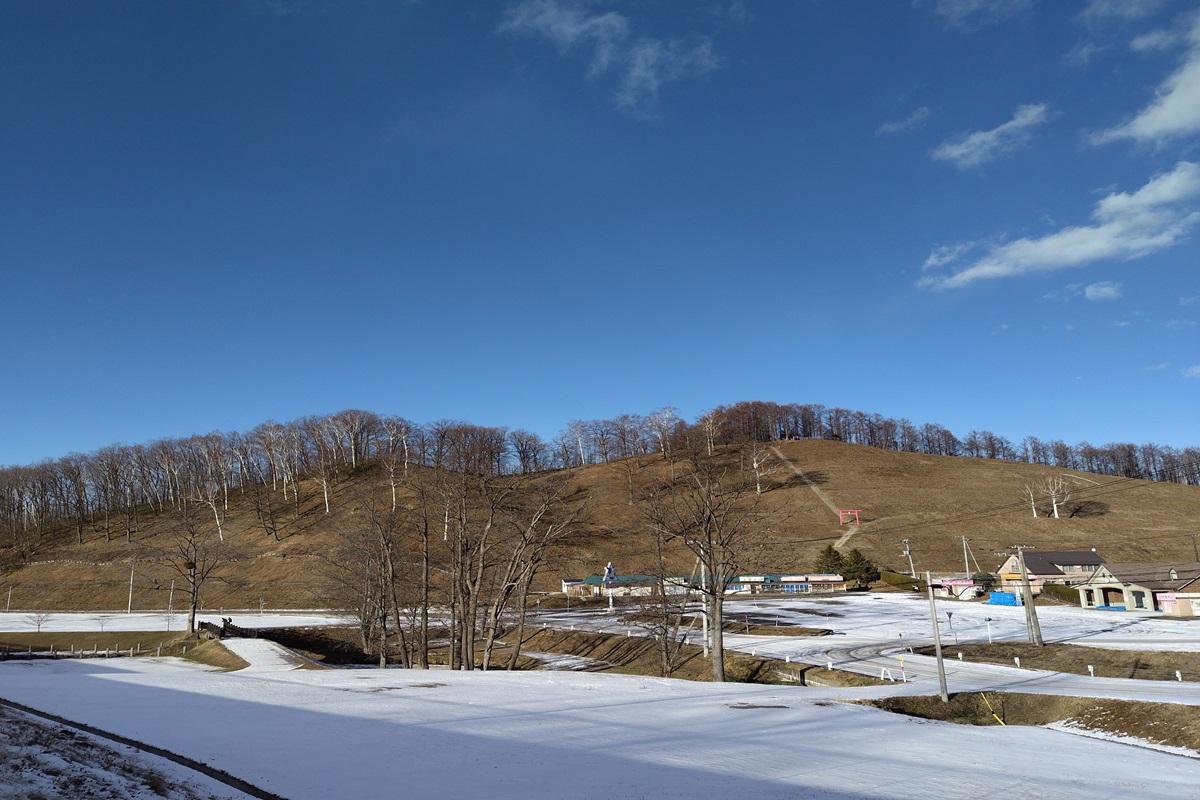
[{"x": 847, "y": 514}]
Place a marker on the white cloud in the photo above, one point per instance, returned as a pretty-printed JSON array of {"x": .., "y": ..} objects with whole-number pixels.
[
  {"x": 1104, "y": 290},
  {"x": 1122, "y": 323},
  {"x": 971, "y": 15},
  {"x": 947, "y": 254},
  {"x": 1123, "y": 10},
  {"x": 1124, "y": 226},
  {"x": 981, "y": 147},
  {"x": 1180, "y": 324},
  {"x": 1192, "y": 372},
  {"x": 1190, "y": 301},
  {"x": 1175, "y": 109},
  {"x": 1159, "y": 366},
  {"x": 652, "y": 63},
  {"x": 1155, "y": 40},
  {"x": 910, "y": 123},
  {"x": 1082, "y": 54},
  {"x": 645, "y": 65}
]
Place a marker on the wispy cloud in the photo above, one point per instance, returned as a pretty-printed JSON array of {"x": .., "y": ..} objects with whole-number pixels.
[
  {"x": 1124, "y": 226},
  {"x": 1082, "y": 54},
  {"x": 1190, "y": 301},
  {"x": 645, "y": 64},
  {"x": 1097, "y": 11},
  {"x": 980, "y": 147},
  {"x": 972, "y": 15},
  {"x": 1180, "y": 324},
  {"x": 947, "y": 254},
  {"x": 913, "y": 121},
  {"x": 1159, "y": 366},
  {"x": 1175, "y": 109},
  {"x": 1192, "y": 372},
  {"x": 1103, "y": 290},
  {"x": 1155, "y": 40}
]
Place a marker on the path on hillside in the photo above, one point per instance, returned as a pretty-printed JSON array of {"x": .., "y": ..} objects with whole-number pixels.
[{"x": 820, "y": 493}]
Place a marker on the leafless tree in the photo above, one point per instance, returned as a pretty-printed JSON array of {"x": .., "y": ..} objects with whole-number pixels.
[
  {"x": 1031, "y": 495},
  {"x": 763, "y": 463},
  {"x": 194, "y": 557},
  {"x": 706, "y": 508},
  {"x": 37, "y": 620},
  {"x": 1057, "y": 490}
]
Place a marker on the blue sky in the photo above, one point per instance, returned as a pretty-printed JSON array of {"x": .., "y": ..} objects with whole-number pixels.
[{"x": 982, "y": 213}]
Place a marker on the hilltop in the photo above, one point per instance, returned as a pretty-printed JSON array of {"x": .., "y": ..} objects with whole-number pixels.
[{"x": 930, "y": 500}]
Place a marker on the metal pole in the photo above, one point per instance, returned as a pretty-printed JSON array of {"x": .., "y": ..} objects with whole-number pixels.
[
  {"x": 8, "y": 605},
  {"x": 937, "y": 642},
  {"x": 912, "y": 571},
  {"x": 988, "y": 620},
  {"x": 966, "y": 564},
  {"x": 1035, "y": 629},
  {"x": 129, "y": 608}
]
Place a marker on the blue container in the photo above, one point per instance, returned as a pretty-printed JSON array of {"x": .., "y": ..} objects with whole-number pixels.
[{"x": 1002, "y": 599}]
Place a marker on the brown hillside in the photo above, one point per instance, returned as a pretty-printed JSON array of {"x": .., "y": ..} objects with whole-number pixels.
[{"x": 931, "y": 500}]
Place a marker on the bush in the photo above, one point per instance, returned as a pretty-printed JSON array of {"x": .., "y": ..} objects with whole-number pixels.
[
  {"x": 1063, "y": 594},
  {"x": 901, "y": 580}
]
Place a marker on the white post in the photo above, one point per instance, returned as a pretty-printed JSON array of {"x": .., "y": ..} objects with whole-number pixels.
[
  {"x": 129, "y": 608},
  {"x": 1017, "y": 661},
  {"x": 988, "y": 620},
  {"x": 1179, "y": 676},
  {"x": 1092, "y": 670}
]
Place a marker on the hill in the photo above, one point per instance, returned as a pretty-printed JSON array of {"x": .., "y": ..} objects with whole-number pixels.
[{"x": 930, "y": 500}]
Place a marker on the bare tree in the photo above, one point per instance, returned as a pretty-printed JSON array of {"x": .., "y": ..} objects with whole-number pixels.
[
  {"x": 1057, "y": 490},
  {"x": 706, "y": 509},
  {"x": 763, "y": 463},
  {"x": 193, "y": 556},
  {"x": 1031, "y": 495},
  {"x": 37, "y": 619}
]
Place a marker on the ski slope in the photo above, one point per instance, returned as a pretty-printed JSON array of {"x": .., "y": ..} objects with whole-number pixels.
[{"x": 378, "y": 733}]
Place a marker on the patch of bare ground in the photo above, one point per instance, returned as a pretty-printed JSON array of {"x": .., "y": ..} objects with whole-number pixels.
[
  {"x": 213, "y": 654},
  {"x": 1073, "y": 658},
  {"x": 89, "y": 642},
  {"x": 41, "y": 760},
  {"x": 1166, "y": 724}
]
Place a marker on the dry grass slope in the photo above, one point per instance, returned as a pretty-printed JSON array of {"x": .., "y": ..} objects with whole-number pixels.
[{"x": 930, "y": 500}]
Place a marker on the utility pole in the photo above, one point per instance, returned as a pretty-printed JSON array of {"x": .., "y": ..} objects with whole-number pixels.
[
  {"x": 937, "y": 641},
  {"x": 1031, "y": 620},
  {"x": 907, "y": 551},
  {"x": 129, "y": 608},
  {"x": 966, "y": 564}
]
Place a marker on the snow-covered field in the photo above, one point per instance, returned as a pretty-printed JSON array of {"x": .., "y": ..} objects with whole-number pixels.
[
  {"x": 13, "y": 622},
  {"x": 40, "y": 759},
  {"x": 382, "y": 733},
  {"x": 873, "y": 633}
]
